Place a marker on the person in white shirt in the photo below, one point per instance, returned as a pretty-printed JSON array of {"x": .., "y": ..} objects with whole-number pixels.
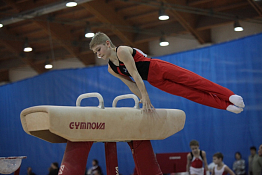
[{"x": 220, "y": 168}]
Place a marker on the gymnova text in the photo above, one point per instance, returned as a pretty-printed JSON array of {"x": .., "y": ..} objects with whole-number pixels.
[{"x": 87, "y": 125}]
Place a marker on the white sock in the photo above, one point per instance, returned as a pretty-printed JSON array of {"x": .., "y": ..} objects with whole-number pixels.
[
  {"x": 234, "y": 109},
  {"x": 237, "y": 100}
]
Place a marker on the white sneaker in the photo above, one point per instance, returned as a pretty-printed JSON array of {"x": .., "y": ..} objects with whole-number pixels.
[
  {"x": 237, "y": 100},
  {"x": 234, "y": 109}
]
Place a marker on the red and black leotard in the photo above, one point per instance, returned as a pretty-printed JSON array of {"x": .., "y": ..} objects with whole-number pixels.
[
  {"x": 142, "y": 65},
  {"x": 197, "y": 162}
]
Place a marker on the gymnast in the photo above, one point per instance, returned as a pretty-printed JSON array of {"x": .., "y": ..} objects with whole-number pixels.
[{"x": 125, "y": 62}]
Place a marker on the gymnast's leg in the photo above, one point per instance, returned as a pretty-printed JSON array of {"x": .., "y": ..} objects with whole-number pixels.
[
  {"x": 144, "y": 157},
  {"x": 198, "y": 96},
  {"x": 179, "y": 81}
]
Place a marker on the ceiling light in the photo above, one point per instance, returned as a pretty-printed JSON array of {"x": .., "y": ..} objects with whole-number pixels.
[
  {"x": 163, "y": 15},
  {"x": 238, "y": 27},
  {"x": 71, "y": 4},
  {"x": 163, "y": 42},
  {"x": 27, "y": 48},
  {"x": 48, "y": 66},
  {"x": 1, "y": 25},
  {"x": 89, "y": 33}
]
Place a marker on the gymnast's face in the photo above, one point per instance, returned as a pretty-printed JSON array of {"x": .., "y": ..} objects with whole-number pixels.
[
  {"x": 102, "y": 50},
  {"x": 217, "y": 160},
  {"x": 194, "y": 149}
]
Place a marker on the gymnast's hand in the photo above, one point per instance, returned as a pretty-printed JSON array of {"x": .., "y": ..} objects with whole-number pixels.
[{"x": 147, "y": 106}]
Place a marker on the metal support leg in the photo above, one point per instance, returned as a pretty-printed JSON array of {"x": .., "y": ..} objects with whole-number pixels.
[
  {"x": 111, "y": 158},
  {"x": 144, "y": 157},
  {"x": 75, "y": 158}
]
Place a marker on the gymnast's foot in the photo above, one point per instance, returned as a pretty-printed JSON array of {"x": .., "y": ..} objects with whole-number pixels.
[
  {"x": 237, "y": 100},
  {"x": 234, "y": 109}
]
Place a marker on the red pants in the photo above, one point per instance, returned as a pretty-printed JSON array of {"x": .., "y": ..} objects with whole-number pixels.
[{"x": 181, "y": 82}]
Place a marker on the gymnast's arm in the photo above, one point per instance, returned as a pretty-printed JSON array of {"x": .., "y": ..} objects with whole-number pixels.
[
  {"x": 128, "y": 81},
  {"x": 229, "y": 171},
  {"x": 124, "y": 55},
  {"x": 188, "y": 163},
  {"x": 205, "y": 160}
]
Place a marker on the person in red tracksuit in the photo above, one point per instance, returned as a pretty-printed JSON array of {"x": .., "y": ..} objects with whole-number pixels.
[{"x": 125, "y": 62}]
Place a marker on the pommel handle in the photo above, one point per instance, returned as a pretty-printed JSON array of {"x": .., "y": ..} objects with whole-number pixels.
[
  {"x": 88, "y": 95},
  {"x": 120, "y": 97}
]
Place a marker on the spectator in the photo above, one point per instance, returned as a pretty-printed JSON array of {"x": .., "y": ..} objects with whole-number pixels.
[
  {"x": 255, "y": 162},
  {"x": 96, "y": 172},
  {"x": 195, "y": 159},
  {"x": 29, "y": 171},
  {"x": 220, "y": 168},
  {"x": 54, "y": 169},
  {"x": 239, "y": 164},
  {"x": 95, "y": 169},
  {"x": 260, "y": 150},
  {"x": 211, "y": 167}
]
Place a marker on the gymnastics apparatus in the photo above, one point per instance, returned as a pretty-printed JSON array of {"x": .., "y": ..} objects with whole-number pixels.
[{"x": 80, "y": 127}]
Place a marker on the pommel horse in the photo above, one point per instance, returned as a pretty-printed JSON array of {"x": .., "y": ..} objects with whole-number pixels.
[{"x": 80, "y": 127}]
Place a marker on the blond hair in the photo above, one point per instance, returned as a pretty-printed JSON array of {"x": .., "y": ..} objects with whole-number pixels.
[{"x": 100, "y": 38}]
